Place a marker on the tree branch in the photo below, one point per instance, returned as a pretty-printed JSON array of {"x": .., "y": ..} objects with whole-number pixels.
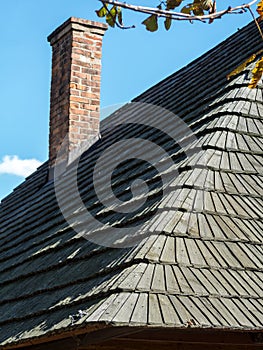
[
  {"x": 255, "y": 20},
  {"x": 119, "y": 25},
  {"x": 178, "y": 15}
]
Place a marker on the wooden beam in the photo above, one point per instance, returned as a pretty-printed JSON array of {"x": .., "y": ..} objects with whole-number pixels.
[
  {"x": 148, "y": 345},
  {"x": 173, "y": 335},
  {"x": 65, "y": 344},
  {"x": 202, "y": 336},
  {"x": 107, "y": 334},
  {"x": 156, "y": 338}
]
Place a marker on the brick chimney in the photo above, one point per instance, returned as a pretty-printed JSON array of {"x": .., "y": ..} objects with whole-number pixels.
[{"x": 75, "y": 85}]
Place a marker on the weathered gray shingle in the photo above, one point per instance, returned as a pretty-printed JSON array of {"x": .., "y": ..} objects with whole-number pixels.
[{"x": 201, "y": 264}]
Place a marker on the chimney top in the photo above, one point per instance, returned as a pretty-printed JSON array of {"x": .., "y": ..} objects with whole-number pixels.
[{"x": 74, "y": 23}]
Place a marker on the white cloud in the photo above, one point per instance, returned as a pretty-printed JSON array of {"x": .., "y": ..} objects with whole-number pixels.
[{"x": 19, "y": 167}]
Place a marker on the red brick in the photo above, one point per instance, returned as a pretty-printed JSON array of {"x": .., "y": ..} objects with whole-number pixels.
[
  {"x": 79, "y": 99},
  {"x": 75, "y": 88}
]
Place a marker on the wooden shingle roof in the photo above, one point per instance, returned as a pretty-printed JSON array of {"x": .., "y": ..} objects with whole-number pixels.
[{"x": 201, "y": 263}]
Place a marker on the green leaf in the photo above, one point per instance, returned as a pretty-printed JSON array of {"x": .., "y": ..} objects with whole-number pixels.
[
  {"x": 119, "y": 11},
  {"x": 207, "y": 4},
  {"x": 167, "y": 23},
  {"x": 186, "y": 9},
  {"x": 197, "y": 7},
  {"x": 172, "y": 4},
  {"x": 198, "y": 10},
  {"x": 151, "y": 23},
  {"x": 111, "y": 17},
  {"x": 102, "y": 11}
]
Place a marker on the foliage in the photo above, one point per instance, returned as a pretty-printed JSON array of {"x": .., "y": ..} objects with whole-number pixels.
[
  {"x": 113, "y": 15},
  {"x": 197, "y": 10},
  {"x": 256, "y": 74},
  {"x": 260, "y": 9},
  {"x": 241, "y": 67}
]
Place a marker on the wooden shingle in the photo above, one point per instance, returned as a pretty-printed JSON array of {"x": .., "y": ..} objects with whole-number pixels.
[{"x": 200, "y": 262}]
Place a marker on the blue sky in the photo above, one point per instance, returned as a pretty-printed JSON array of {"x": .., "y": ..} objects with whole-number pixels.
[{"x": 133, "y": 60}]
